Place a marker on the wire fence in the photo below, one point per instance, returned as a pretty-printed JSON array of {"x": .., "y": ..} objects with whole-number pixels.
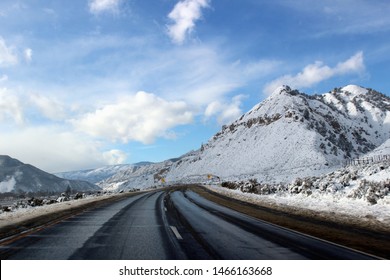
[{"x": 367, "y": 160}]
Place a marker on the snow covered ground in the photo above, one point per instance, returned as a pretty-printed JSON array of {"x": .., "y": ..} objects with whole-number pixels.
[
  {"x": 360, "y": 193},
  {"x": 321, "y": 204}
]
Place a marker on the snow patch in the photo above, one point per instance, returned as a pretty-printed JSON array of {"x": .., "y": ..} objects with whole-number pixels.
[
  {"x": 7, "y": 185},
  {"x": 354, "y": 90}
]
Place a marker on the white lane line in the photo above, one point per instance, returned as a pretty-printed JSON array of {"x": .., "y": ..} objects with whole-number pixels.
[{"x": 176, "y": 232}]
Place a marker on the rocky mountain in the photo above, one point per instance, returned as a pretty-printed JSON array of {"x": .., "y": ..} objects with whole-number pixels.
[
  {"x": 100, "y": 174},
  {"x": 290, "y": 134},
  {"x": 139, "y": 177},
  {"x": 17, "y": 177},
  {"x": 293, "y": 134}
]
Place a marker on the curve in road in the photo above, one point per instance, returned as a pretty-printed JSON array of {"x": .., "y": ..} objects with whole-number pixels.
[{"x": 169, "y": 225}]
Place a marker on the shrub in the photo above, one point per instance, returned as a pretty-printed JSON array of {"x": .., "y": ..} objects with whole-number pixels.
[
  {"x": 371, "y": 191},
  {"x": 229, "y": 185},
  {"x": 299, "y": 185}
]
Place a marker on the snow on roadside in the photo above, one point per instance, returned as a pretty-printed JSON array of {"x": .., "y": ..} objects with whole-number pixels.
[
  {"x": 23, "y": 214},
  {"x": 322, "y": 204},
  {"x": 359, "y": 192}
]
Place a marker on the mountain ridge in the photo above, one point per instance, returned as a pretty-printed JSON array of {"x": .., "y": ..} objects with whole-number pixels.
[
  {"x": 18, "y": 177},
  {"x": 99, "y": 174},
  {"x": 290, "y": 134}
]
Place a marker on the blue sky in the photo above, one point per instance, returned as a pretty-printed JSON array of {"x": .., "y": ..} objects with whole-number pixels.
[{"x": 86, "y": 83}]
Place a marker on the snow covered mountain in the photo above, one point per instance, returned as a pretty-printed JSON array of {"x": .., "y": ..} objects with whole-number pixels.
[
  {"x": 99, "y": 174},
  {"x": 17, "y": 177},
  {"x": 292, "y": 134},
  {"x": 288, "y": 135},
  {"x": 138, "y": 177}
]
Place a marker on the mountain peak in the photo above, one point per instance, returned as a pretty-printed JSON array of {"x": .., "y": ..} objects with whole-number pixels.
[
  {"x": 17, "y": 177},
  {"x": 284, "y": 89},
  {"x": 7, "y": 161},
  {"x": 354, "y": 90}
]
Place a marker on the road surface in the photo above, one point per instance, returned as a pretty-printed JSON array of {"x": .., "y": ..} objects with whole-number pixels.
[{"x": 168, "y": 225}]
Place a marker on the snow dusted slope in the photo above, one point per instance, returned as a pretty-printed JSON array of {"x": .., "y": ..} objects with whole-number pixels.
[
  {"x": 99, "y": 174},
  {"x": 18, "y": 177},
  {"x": 291, "y": 135},
  {"x": 382, "y": 150},
  {"x": 288, "y": 135},
  {"x": 138, "y": 177}
]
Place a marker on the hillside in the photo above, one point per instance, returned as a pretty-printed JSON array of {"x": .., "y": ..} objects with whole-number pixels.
[
  {"x": 99, "y": 174},
  {"x": 288, "y": 135},
  {"x": 17, "y": 177},
  {"x": 139, "y": 177},
  {"x": 291, "y": 134}
]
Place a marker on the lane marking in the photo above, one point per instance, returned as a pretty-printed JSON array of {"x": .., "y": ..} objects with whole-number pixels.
[{"x": 176, "y": 232}]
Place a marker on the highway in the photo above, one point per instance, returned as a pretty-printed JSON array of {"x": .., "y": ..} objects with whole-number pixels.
[{"x": 171, "y": 225}]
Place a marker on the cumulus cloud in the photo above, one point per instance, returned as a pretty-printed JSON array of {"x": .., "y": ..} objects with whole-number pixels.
[
  {"x": 50, "y": 108},
  {"x": 10, "y": 107},
  {"x": 317, "y": 72},
  {"x": 100, "y": 6},
  {"x": 184, "y": 15},
  {"x": 55, "y": 150},
  {"x": 141, "y": 117},
  {"x": 8, "y": 56},
  {"x": 225, "y": 112}
]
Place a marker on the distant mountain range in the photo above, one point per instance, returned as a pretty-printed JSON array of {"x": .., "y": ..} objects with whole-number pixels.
[
  {"x": 102, "y": 173},
  {"x": 17, "y": 177}
]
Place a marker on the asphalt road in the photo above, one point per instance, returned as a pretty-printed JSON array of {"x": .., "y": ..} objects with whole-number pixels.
[{"x": 168, "y": 225}]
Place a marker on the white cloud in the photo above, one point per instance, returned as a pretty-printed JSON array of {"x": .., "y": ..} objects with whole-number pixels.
[
  {"x": 141, "y": 117},
  {"x": 202, "y": 75},
  {"x": 10, "y": 107},
  {"x": 28, "y": 54},
  {"x": 225, "y": 112},
  {"x": 317, "y": 72},
  {"x": 115, "y": 157},
  {"x": 50, "y": 108},
  {"x": 8, "y": 56},
  {"x": 100, "y": 6},
  {"x": 184, "y": 15},
  {"x": 54, "y": 150}
]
